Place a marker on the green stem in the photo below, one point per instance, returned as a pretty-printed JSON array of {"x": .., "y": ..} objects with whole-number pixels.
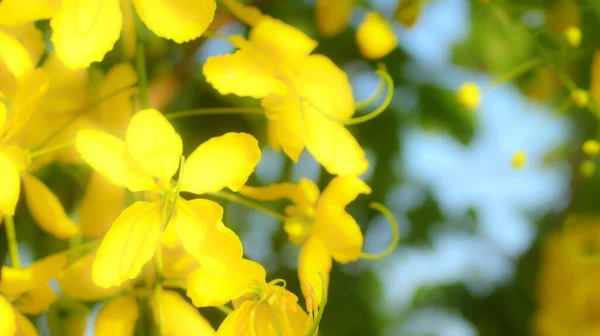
[
  {"x": 224, "y": 309},
  {"x": 517, "y": 71},
  {"x": 214, "y": 110},
  {"x": 140, "y": 61},
  {"x": 82, "y": 112},
  {"x": 248, "y": 203},
  {"x": 51, "y": 149},
  {"x": 159, "y": 310},
  {"x": 11, "y": 236}
]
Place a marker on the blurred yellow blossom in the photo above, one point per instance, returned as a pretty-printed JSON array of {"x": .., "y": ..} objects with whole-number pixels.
[{"x": 375, "y": 36}]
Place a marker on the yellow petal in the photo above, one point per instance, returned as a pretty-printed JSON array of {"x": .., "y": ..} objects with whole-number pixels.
[
  {"x": 47, "y": 210},
  {"x": 30, "y": 37},
  {"x": 334, "y": 147},
  {"x": 101, "y": 205},
  {"x": 12, "y": 12},
  {"x": 180, "y": 20},
  {"x": 242, "y": 74},
  {"x": 7, "y": 316},
  {"x": 375, "y": 37},
  {"x": 35, "y": 302},
  {"x": 16, "y": 281},
  {"x": 341, "y": 191},
  {"x": 117, "y": 318},
  {"x": 106, "y": 154},
  {"x": 204, "y": 236},
  {"x": 128, "y": 34},
  {"x": 281, "y": 41},
  {"x": 31, "y": 89},
  {"x": 85, "y": 30},
  {"x": 10, "y": 185},
  {"x": 287, "y": 118},
  {"x": 128, "y": 245},
  {"x": 153, "y": 142},
  {"x": 333, "y": 16},
  {"x": 14, "y": 55},
  {"x": 181, "y": 318},
  {"x": 177, "y": 262},
  {"x": 236, "y": 323},
  {"x": 325, "y": 86},
  {"x": 304, "y": 194},
  {"x": 24, "y": 326},
  {"x": 212, "y": 287},
  {"x": 225, "y": 161},
  {"x": 76, "y": 281},
  {"x": 115, "y": 112},
  {"x": 68, "y": 88},
  {"x": 314, "y": 259}
]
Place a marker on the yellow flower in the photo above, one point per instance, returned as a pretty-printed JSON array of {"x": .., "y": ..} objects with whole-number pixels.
[
  {"x": 120, "y": 313},
  {"x": 85, "y": 30},
  {"x": 296, "y": 89},
  {"x": 15, "y": 160},
  {"x": 27, "y": 291},
  {"x": 333, "y": 16},
  {"x": 375, "y": 37},
  {"x": 567, "y": 293},
  {"x": 573, "y": 36},
  {"x": 20, "y": 50},
  {"x": 591, "y": 148},
  {"x": 319, "y": 223},
  {"x": 469, "y": 95},
  {"x": 519, "y": 159},
  {"x": 260, "y": 308},
  {"x": 147, "y": 160}
]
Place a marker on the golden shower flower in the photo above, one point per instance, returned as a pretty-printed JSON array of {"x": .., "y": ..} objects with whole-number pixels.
[
  {"x": 568, "y": 295},
  {"x": 84, "y": 31},
  {"x": 260, "y": 308},
  {"x": 297, "y": 91},
  {"x": 375, "y": 37},
  {"x": 319, "y": 223},
  {"x": 27, "y": 291},
  {"x": 469, "y": 95},
  {"x": 147, "y": 160}
]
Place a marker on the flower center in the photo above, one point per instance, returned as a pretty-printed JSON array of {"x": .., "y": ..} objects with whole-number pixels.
[{"x": 299, "y": 227}]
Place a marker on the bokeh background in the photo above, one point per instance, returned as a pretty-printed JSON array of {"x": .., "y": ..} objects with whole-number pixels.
[{"x": 473, "y": 229}]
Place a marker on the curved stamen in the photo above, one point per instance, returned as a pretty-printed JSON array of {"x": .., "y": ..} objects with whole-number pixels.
[
  {"x": 371, "y": 100},
  {"x": 395, "y": 233},
  {"x": 364, "y": 118},
  {"x": 317, "y": 321}
]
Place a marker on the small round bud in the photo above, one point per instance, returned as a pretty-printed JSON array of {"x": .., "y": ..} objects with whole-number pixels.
[
  {"x": 519, "y": 159},
  {"x": 591, "y": 148},
  {"x": 580, "y": 98},
  {"x": 587, "y": 168},
  {"x": 469, "y": 95},
  {"x": 573, "y": 36}
]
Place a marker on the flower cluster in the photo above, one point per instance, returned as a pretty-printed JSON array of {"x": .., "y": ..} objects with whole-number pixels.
[{"x": 144, "y": 231}]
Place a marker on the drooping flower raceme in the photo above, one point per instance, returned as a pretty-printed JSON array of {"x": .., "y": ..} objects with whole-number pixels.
[
  {"x": 147, "y": 160},
  {"x": 298, "y": 92},
  {"x": 319, "y": 223}
]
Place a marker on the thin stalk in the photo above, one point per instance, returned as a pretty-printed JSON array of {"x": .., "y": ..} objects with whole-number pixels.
[
  {"x": 214, "y": 110},
  {"x": 248, "y": 203},
  {"x": 11, "y": 237},
  {"x": 140, "y": 61}
]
